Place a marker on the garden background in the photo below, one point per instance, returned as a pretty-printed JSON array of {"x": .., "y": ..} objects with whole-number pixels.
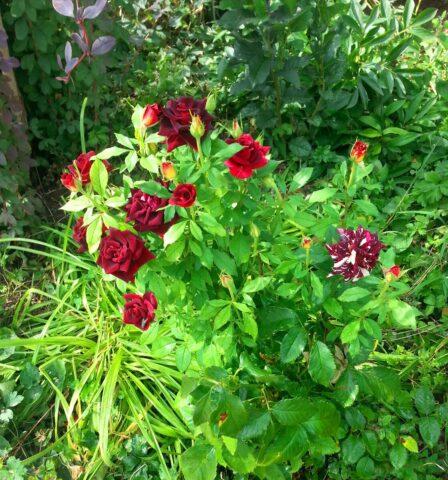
[{"x": 310, "y": 77}]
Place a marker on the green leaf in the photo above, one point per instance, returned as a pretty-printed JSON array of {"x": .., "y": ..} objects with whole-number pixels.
[
  {"x": 293, "y": 411},
  {"x": 151, "y": 187},
  {"x": 424, "y": 400},
  {"x": 125, "y": 141},
  {"x": 424, "y": 17},
  {"x": 196, "y": 231},
  {"x": 408, "y": 11},
  {"x": 174, "y": 233},
  {"x": 352, "y": 449},
  {"x": 301, "y": 178},
  {"x": 316, "y": 285},
  {"x": 199, "y": 463},
  {"x": 322, "y": 195},
  {"x": 77, "y": 204},
  {"x": 243, "y": 461},
  {"x": 223, "y": 317},
  {"x": 398, "y": 456},
  {"x": 258, "y": 422},
  {"x": 183, "y": 358},
  {"x": 410, "y": 444},
  {"x": 210, "y": 224},
  {"x": 257, "y": 284},
  {"x": 402, "y": 314},
  {"x": 293, "y": 344},
  {"x": 365, "y": 468},
  {"x": 107, "y": 401},
  {"x": 94, "y": 234},
  {"x": 230, "y": 443},
  {"x": 430, "y": 430},
  {"x": 321, "y": 365},
  {"x": 350, "y": 332},
  {"x": 150, "y": 163},
  {"x": 353, "y": 294},
  {"x": 111, "y": 152}
]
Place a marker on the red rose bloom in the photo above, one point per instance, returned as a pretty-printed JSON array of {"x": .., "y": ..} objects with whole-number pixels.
[
  {"x": 250, "y": 158},
  {"x": 184, "y": 195},
  {"x": 139, "y": 310},
  {"x": 80, "y": 171},
  {"x": 151, "y": 114},
  {"x": 358, "y": 151},
  {"x": 79, "y": 234},
  {"x": 356, "y": 254},
  {"x": 145, "y": 211},
  {"x": 175, "y": 121},
  {"x": 122, "y": 253}
]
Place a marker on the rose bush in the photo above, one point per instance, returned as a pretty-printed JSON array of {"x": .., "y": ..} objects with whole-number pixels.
[{"x": 256, "y": 278}]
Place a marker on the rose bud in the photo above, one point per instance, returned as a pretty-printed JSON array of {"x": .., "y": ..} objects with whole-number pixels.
[
  {"x": 168, "y": 171},
  {"x": 184, "y": 195},
  {"x": 79, "y": 234},
  {"x": 356, "y": 254},
  {"x": 254, "y": 230},
  {"x": 393, "y": 271},
  {"x": 79, "y": 171},
  {"x": 122, "y": 253},
  {"x": 226, "y": 280},
  {"x": 250, "y": 158},
  {"x": 210, "y": 105},
  {"x": 139, "y": 310},
  {"x": 197, "y": 128},
  {"x": 175, "y": 121},
  {"x": 146, "y": 211},
  {"x": 236, "y": 129},
  {"x": 151, "y": 115},
  {"x": 358, "y": 151},
  {"x": 306, "y": 243}
]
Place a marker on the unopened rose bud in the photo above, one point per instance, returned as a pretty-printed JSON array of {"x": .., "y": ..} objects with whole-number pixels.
[
  {"x": 222, "y": 418},
  {"x": 152, "y": 147},
  {"x": 306, "y": 243},
  {"x": 210, "y": 105},
  {"x": 358, "y": 151},
  {"x": 254, "y": 230},
  {"x": 226, "y": 280},
  {"x": 197, "y": 128},
  {"x": 151, "y": 115},
  {"x": 237, "y": 131},
  {"x": 393, "y": 272},
  {"x": 168, "y": 171}
]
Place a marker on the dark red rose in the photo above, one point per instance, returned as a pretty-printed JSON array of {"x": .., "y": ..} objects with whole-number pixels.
[
  {"x": 175, "y": 121},
  {"x": 356, "y": 254},
  {"x": 358, "y": 151},
  {"x": 146, "y": 211},
  {"x": 79, "y": 171},
  {"x": 122, "y": 253},
  {"x": 151, "y": 114},
  {"x": 250, "y": 158},
  {"x": 139, "y": 310},
  {"x": 79, "y": 234},
  {"x": 184, "y": 195}
]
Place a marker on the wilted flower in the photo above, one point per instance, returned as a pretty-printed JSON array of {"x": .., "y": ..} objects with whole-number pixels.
[
  {"x": 226, "y": 280},
  {"x": 151, "y": 114},
  {"x": 79, "y": 234},
  {"x": 168, "y": 170},
  {"x": 358, "y": 151},
  {"x": 356, "y": 253}
]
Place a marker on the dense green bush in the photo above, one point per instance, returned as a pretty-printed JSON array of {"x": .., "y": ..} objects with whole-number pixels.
[
  {"x": 323, "y": 72},
  {"x": 255, "y": 364}
]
